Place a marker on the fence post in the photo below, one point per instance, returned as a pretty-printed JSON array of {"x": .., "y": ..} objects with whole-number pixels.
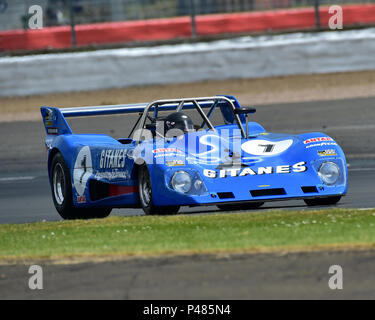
[
  {"x": 193, "y": 24},
  {"x": 72, "y": 23},
  {"x": 317, "y": 13}
]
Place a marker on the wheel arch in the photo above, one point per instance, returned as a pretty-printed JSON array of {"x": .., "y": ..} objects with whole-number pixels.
[
  {"x": 136, "y": 168},
  {"x": 134, "y": 174},
  {"x": 51, "y": 155}
]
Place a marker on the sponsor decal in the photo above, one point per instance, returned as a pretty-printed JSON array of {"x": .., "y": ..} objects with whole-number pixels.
[
  {"x": 113, "y": 159},
  {"x": 175, "y": 163},
  {"x": 52, "y": 131},
  {"x": 209, "y": 148},
  {"x": 49, "y": 123},
  {"x": 322, "y": 144},
  {"x": 319, "y": 139},
  {"x": 326, "y": 153},
  {"x": 112, "y": 175},
  {"x": 50, "y": 116},
  {"x": 81, "y": 199},
  {"x": 266, "y": 147},
  {"x": 172, "y": 155},
  {"x": 166, "y": 150},
  {"x": 82, "y": 170},
  {"x": 239, "y": 172}
]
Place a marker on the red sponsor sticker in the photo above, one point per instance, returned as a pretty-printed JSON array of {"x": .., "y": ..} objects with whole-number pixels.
[
  {"x": 165, "y": 150},
  {"x": 320, "y": 139},
  {"x": 81, "y": 199}
]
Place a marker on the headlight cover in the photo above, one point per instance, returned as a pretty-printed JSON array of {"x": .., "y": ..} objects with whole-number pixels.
[
  {"x": 181, "y": 181},
  {"x": 329, "y": 172}
]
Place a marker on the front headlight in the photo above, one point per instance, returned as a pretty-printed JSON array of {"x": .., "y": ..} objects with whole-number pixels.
[
  {"x": 329, "y": 172},
  {"x": 181, "y": 182}
]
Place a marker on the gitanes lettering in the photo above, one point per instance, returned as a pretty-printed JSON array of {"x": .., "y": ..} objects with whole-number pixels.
[
  {"x": 237, "y": 172},
  {"x": 112, "y": 159}
]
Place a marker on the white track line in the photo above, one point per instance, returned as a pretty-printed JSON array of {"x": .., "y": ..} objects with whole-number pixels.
[
  {"x": 362, "y": 169},
  {"x": 9, "y": 179}
]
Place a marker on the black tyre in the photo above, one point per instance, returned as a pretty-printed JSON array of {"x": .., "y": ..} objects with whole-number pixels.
[
  {"x": 62, "y": 194},
  {"x": 323, "y": 201},
  {"x": 145, "y": 195},
  {"x": 245, "y": 206}
]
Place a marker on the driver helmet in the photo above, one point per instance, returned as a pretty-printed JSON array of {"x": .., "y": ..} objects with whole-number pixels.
[{"x": 178, "y": 120}]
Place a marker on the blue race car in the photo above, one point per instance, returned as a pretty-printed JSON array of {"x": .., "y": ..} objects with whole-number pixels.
[{"x": 187, "y": 152}]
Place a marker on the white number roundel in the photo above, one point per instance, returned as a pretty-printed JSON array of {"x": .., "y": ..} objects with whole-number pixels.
[
  {"x": 265, "y": 147},
  {"x": 82, "y": 170}
]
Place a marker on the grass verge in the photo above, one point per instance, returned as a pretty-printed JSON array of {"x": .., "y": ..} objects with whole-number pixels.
[{"x": 260, "y": 231}]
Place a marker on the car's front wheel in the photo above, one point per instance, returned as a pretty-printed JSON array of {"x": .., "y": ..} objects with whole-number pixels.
[
  {"x": 62, "y": 194},
  {"x": 146, "y": 195},
  {"x": 323, "y": 201}
]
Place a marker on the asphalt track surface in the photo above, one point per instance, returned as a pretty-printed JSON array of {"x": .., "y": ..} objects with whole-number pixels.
[
  {"x": 261, "y": 276},
  {"x": 25, "y": 197}
]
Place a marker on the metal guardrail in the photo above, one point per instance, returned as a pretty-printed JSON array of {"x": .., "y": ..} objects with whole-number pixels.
[{"x": 14, "y": 14}]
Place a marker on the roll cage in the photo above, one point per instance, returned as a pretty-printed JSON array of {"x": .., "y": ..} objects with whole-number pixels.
[{"x": 177, "y": 105}]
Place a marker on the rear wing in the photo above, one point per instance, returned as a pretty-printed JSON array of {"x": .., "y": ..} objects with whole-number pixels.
[{"x": 55, "y": 118}]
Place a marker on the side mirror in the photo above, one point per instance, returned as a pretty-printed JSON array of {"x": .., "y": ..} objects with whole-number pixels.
[{"x": 245, "y": 110}]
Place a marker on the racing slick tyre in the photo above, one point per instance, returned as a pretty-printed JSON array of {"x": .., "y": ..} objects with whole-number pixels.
[
  {"x": 62, "y": 194},
  {"x": 145, "y": 195},
  {"x": 245, "y": 206},
  {"x": 323, "y": 201}
]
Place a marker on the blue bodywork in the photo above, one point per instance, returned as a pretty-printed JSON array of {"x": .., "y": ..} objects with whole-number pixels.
[{"x": 234, "y": 169}]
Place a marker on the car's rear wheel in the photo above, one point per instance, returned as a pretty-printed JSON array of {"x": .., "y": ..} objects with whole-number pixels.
[
  {"x": 62, "y": 194},
  {"x": 146, "y": 195},
  {"x": 323, "y": 201},
  {"x": 245, "y": 206}
]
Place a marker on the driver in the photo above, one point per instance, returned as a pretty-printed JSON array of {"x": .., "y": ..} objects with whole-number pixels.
[{"x": 179, "y": 122}]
